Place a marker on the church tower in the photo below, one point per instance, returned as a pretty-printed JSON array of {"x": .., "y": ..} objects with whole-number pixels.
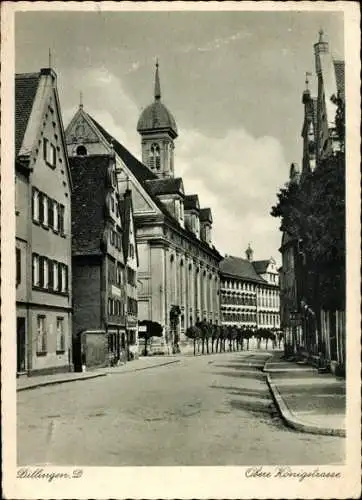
[{"x": 158, "y": 129}]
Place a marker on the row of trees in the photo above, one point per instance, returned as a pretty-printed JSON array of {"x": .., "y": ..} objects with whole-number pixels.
[{"x": 216, "y": 338}]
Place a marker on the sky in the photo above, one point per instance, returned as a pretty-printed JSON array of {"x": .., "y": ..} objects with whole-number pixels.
[{"x": 232, "y": 80}]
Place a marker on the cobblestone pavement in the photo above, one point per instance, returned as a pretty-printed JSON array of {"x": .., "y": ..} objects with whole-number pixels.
[{"x": 208, "y": 410}]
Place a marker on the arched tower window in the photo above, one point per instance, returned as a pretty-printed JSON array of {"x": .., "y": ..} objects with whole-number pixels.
[
  {"x": 81, "y": 151},
  {"x": 155, "y": 157}
]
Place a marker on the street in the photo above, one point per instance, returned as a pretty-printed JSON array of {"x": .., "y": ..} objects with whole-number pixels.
[{"x": 205, "y": 410}]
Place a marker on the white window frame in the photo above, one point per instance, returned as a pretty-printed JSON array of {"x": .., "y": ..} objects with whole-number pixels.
[
  {"x": 64, "y": 278},
  {"x": 60, "y": 334},
  {"x": 55, "y": 276},
  {"x": 36, "y": 274},
  {"x": 55, "y": 215},
  {"x": 41, "y": 340},
  {"x": 45, "y": 210},
  {"x": 45, "y": 273},
  {"x": 36, "y": 205}
]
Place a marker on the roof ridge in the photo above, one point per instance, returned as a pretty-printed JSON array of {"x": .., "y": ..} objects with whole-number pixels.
[{"x": 27, "y": 75}]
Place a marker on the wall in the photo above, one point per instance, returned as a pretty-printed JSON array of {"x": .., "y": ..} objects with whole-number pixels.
[
  {"x": 86, "y": 294},
  {"x": 53, "y": 360}
]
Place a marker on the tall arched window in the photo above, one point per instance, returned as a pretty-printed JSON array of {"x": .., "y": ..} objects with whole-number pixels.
[{"x": 154, "y": 158}]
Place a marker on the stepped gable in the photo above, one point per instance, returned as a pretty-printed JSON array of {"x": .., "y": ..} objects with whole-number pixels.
[{"x": 26, "y": 85}]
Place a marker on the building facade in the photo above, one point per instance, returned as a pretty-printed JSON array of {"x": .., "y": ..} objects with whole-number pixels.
[
  {"x": 178, "y": 275},
  {"x": 130, "y": 254},
  {"x": 99, "y": 271},
  {"x": 250, "y": 293},
  {"x": 43, "y": 227},
  {"x": 309, "y": 328}
]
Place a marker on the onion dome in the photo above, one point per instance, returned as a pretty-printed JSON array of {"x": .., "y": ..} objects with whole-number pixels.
[{"x": 156, "y": 117}]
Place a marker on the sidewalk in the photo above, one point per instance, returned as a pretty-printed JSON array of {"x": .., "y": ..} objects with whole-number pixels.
[
  {"x": 143, "y": 363},
  {"x": 307, "y": 400}
]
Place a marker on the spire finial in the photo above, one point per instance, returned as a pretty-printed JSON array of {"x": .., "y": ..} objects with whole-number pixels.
[
  {"x": 307, "y": 75},
  {"x": 50, "y": 58},
  {"x": 80, "y": 100},
  {"x": 321, "y": 34},
  {"x": 157, "y": 83}
]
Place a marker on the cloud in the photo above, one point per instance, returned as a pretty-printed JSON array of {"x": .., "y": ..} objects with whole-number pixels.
[
  {"x": 238, "y": 176},
  {"x": 216, "y": 43}
]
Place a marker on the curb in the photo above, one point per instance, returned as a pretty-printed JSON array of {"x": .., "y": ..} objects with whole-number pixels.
[
  {"x": 284, "y": 370},
  {"x": 60, "y": 381},
  {"x": 95, "y": 375},
  {"x": 294, "y": 422},
  {"x": 144, "y": 368}
]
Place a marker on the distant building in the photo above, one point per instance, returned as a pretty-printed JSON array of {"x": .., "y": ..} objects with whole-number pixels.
[
  {"x": 249, "y": 292},
  {"x": 178, "y": 273},
  {"x": 99, "y": 272},
  {"x": 43, "y": 227}
]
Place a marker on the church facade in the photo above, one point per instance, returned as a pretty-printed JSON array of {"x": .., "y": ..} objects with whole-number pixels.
[{"x": 178, "y": 274}]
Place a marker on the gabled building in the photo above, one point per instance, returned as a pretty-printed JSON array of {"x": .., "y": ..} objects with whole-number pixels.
[
  {"x": 178, "y": 274},
  {"x": 130, "y": 254},
  {"x": 99, "y": 272},
  {"x": 249, "y": 292},
  {"x": 43, "y": 227}
]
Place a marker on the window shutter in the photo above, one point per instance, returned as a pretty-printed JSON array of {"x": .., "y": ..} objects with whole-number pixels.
[
  {"x": 41, "y": 208},
  {"x": 60, "y": 277},
  {"x": 61, "y": 219},
  {"x": 41, "y": 271},
  {"x": 51, "y": 213},
  {"x": 51, "y": 275},
  {"x": 66, "y": 278},
  {"x": 18, "y": 266},
  {"x": 45, "y": 149}
]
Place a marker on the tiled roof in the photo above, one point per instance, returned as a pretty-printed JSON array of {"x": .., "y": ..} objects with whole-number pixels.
[
  {"x": 143, "y": 174},
  {"x": 88, "y": 202},
  {"x": 261, "y": 266},
  {"x": 166, "y": 186},
  {"x": 339, "y": 71},
  {"x": 205, "y": 215},
  {"x": 239, "y": 268},
  {"x": 26, "y": 85},
  {"x": 191, "y": 202}
]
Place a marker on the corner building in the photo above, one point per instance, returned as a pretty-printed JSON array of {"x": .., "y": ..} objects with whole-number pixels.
[
  {"x": 178, "y": 274},
  {"x": 43, "y": 189}
]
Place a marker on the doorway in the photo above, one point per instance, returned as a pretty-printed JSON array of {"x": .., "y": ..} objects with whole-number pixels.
[{"x": 21, "y": 345}]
